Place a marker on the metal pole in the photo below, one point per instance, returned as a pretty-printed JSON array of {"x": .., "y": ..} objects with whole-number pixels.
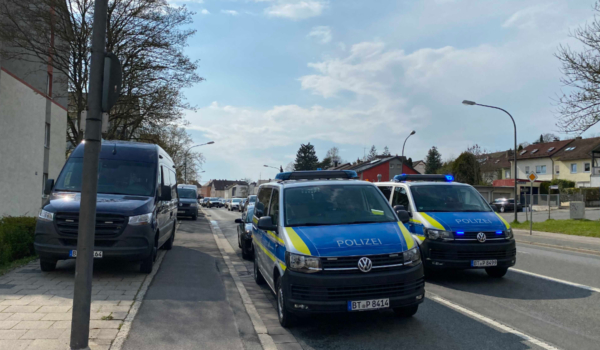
[
  {"x": 402, "y": 158},
  {"x": 549, "y": 191},
  {"x": 80, "y": 324},
  {"x": 530, "y": 207},
  {"x": 184, "y": 168}
]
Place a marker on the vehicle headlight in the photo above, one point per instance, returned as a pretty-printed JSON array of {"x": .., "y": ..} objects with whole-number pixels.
[
  {"x": 509, "y": 234},
  {"x": 302, "y": 263},
  {"x": 412, "y": 257},
  {"x": 46, "y": 215},
  {"x": 439, "y": 235},
  {"x": 143, "y": 219}
]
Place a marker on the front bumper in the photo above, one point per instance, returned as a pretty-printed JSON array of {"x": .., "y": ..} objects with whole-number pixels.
[
  {"x": 187, "y": 211},
  {"x": 134, "y": 243},
  {"x": 453, "y": 255},
  {"x": 325, "y": 293}
]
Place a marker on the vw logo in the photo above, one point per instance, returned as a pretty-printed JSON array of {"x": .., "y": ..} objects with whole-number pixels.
[
  {"x": 481, "y": 237},
  {"x": 365, "y": 264}
]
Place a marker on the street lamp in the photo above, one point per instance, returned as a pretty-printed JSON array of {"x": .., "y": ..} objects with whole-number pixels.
[
  {"x": 185, "y": 159},
  {"x": 268, "y": 166},
  {"x": 402, "y": 158},
  {"x": 471, "y": 103}
]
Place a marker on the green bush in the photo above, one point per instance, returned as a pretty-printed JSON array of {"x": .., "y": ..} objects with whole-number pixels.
[{"x": 16, "y": 238}]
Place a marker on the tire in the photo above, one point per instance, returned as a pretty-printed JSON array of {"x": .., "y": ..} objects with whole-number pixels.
[
  {"x": 496, "y": 272},
  {"x": 286, "y": 318},
  {"x": 258, "y": 277},
  {"x": 195, "y": 217},
  {"x": 502, "y": 209},
  {"x": 47, "y": 265},
  {"x": 245, "y": 253},
  {"x": 406, "y": 311},
  {"x": 148, "y": 263},
  {"x": 169, "y": 243}
]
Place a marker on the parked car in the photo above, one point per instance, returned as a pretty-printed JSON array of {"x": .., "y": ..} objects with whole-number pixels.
[
  {"x": 188, "y": 201},
  {"x": 234, "y": 204},
  {"x": 242, "y": 204},
  {"x": 249, "y": 200},
  {"x": 244, "y": 230},
  {"x": 136, "y": 209},
  {"x": 503, "y": 204},
  {"x": 204, "y": 201},
  {"x": 215, "y": 202}
]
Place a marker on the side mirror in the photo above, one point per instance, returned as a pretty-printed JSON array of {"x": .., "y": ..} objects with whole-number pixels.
[
  {"x": 399, "y": 207},
  {"x": 238, "y": 221},
  {"x": 165, "y": 193},
  {"x": 49, "y": 186},
  {"x": 266, "y": 223},
  {"x": 403, "y": 216}
]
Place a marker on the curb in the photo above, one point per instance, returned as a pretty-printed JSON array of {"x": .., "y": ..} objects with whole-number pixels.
[{"x": 546, "y": 245}]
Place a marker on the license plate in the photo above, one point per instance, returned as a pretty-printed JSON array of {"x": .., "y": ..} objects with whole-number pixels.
[
  {"x": 368, "y": 304},
  {"x": 180, "y": 211},
  {"x": 484, "y": 263},
  {"x": 97, "y": 254}
]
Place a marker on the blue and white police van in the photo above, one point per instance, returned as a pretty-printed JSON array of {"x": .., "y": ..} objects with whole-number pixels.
[
  {"x": 325, "y": 242},
  {"x": 452, "y": 223}
]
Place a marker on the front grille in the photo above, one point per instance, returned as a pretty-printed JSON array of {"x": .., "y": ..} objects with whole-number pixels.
[
  {"x": 107, "y": 225},
  {"x": 437, "y": 254},
  {"x": 356, "y": 292},
  {"x": 472, "y": 236},
  {"x": 73, "y": 242},
  {"x": 349, "y": 264}
]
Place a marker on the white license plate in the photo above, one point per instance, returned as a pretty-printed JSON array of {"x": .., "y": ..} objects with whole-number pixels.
[
  {"x": 368, "y": 304},
  {"x": 484, "y": 263},
  {"x": 180, "y": 211},
  {"x": 97, "y": 254}
]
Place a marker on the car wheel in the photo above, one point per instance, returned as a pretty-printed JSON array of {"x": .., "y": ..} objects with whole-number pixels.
[
  {"x": 496, "y": 272},
  {"x": 148, "y": 263},
  {"x": 406, "y": 311},
  {"x": 47, "y": 265},
  {"x": 258, "y": 277},
  {"x": 502, "y": 209},
  {"x": 286, "y": 318}
]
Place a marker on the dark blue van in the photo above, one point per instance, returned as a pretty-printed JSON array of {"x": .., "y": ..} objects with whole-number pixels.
[{"x": 136, "y": 210}]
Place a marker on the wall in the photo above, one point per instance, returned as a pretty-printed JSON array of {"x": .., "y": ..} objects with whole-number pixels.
[
  {"x": 532, "y": 163},
  {"x": 579, "y": 177},
  {"x": 420, "y": 168},
  {"x": 387, "y": 170}
]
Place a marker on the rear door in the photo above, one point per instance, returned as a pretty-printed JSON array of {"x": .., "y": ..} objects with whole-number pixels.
[
  {"x": 163, "y": 206},
  {"x": 272, "y": 237}
]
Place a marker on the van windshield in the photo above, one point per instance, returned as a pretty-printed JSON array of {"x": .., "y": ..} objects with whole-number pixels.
[
  {"x": 114, "y": 177},
  {"x": 448, "y": 198},
  {"x": 335, "y": 205},
  {"x": 187, "y": 193}
]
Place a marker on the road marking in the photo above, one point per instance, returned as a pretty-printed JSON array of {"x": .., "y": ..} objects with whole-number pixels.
[
  {"x": 491, "y": 322},
  {"x": 572, "y": 284},
  {"x": 259, "y": 327}
]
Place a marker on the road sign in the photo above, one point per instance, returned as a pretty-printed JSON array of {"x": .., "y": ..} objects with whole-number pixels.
[{"x": 532, "y": 177}]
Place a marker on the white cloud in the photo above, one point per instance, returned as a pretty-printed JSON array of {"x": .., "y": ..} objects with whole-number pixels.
[
  {"x": 296, "y": 9},
  {"x": 321, "y": 33},
  {"x": 230, "y": 12},
  {"x": 205, "y": 12},
  {"x": 533, "y": 16}
]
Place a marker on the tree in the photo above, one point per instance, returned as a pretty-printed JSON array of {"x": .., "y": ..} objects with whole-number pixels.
[
  {"x": 466, "y": 169},
  {"x": 433, "y": 162},
  {"x": 334, "y": 155},
  {"x": 579, "y": 108},
  {"x": 446, "y": 167},
  {"x": 325, "y": 163},
  {"x": 290, "y": 166},
  {"x": 372, "y": 153},
  {"x": 148, "y": 36},
  {"x": 386, "y": 151},
  {"x": 306, "y": 158}
]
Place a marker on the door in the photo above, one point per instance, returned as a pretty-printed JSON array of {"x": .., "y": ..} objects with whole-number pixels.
[
  {"x": 387, "y": 192},
  {"x": 272, "y": 237},
  {"x": 400, "y": 197},
  {"x": 261, "y": 208},
  {"x": 162, "y": 211}
]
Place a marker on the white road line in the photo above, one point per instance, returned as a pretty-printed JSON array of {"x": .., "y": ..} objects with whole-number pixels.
[
  {"x": 572, "y": 284},
  {"x": 491, "y": 322}
]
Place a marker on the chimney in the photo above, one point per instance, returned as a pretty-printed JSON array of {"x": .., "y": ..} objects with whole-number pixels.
[{"x": 578, "y": 138}]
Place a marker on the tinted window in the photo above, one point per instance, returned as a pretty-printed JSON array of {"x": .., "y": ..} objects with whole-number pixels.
[
  {"x": 274, "y": 207},
  {"x": 335, "y": 205},
  {"x": 237, "y": 200},
  {"x": 447, "y": 198},
  {"x": 186, "y": 193},
  {"x": 114, "y": 177},
  {"x": 400, "y": 198},
  {"x": 252, "y": 199},
  {"x": 249, "y": 214},
  {"x": 386, "y": 190},
  {"x": 262, "y": 203}
]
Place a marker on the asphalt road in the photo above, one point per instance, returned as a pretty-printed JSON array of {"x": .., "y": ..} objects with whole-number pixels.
[
  {"x": 558, "y": 214},
  {"x": 469, "y": 310}
]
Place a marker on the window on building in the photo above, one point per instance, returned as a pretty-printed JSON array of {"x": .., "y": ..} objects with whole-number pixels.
[
  {"x": 540, "y": 169},
  {"x": 391, "y": 166},
  {"x": 573, "y": 168},
  {"x": 44, "y": 179},
  {"x": 47, "y": 136},
  {"x": 526, "y": 170},
  {"x": 507, "y": 174},
  {"x": 535, "y": 150},
  {"x": 550, "y": 149},
  {"x": 586, "y": 167}
]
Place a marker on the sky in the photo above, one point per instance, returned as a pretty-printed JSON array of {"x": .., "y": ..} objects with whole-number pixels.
[{"x": 357, "y": 73}]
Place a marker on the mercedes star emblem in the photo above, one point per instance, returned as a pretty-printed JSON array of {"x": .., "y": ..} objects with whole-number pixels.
[
  {"x": 365, "y": 264},
  {"x": 481, "y": 237}
]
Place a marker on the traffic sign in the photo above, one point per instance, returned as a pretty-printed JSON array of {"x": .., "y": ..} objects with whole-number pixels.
[{"x": 532, "y": 177}]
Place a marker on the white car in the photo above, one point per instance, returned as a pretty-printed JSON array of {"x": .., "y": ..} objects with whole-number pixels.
[{"x": 234, "y": 204}]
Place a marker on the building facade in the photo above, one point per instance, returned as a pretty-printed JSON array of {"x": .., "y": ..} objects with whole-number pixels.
[{"x": 574, "y": 162}]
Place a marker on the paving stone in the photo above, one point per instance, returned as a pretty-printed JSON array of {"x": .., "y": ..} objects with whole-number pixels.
[
  {"x": 288, "y": 346},
  {"x": 52, "y": 333},
  {"x": 112, "y": 308},
  {"x": 114, "y": 324},
  {"x": 52, "y": 309},
  {"x": 62, "y": 316},
  {"x": 126, "y": 303},
  {"x": 48, "y": 344},
  {"x": 277, "y": 330},
  {"x": 14, "y": 344},
  {"x": 61, "y": 325},
  {"x": 17, "y": 309},
  {"x": 21, "y": 301},
  {"x": 33, "y": 325},
  {"x": 22, "y": 316},
  {"x": 5, "y": 315},
  {"x": 8, "y": 324},
  {"x": 46, "y": 302},
  {"x": 283, "y": 338},
  {"x": 6, "y": 334},
  {"x": 107, "y": 334}
]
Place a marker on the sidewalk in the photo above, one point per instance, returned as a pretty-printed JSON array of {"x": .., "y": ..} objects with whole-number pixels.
[{"x": 582, "y": 244}]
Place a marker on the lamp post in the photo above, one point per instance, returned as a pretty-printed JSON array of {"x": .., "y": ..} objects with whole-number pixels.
[
  {"x": 268, "y": 166},
  {"x": 185, "y": 159},
  {"x": 471, "y": 103},
  {"x": 402, "y": 158}
]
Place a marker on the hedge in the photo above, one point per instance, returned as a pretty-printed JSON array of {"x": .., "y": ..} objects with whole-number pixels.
[{"x": 16, "y": 238}]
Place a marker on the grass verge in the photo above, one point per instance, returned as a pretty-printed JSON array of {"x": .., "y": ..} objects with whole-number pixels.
[
  {"x": 587, "y": 228},
  {"x": 4, "y": 268}
]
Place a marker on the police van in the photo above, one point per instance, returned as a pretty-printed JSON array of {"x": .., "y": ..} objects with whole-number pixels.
[
  {"x": 452, "y": 223},
  {"x": 325, "y": 242}
]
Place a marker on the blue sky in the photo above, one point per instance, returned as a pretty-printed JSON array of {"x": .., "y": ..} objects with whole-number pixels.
[{"x": 356, "y": 73}]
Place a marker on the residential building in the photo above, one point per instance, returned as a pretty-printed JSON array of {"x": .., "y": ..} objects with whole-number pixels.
[
  {"x": 574, "y": 162},
  {"x": 253, "y": 186},
  {"x": 495, "y": 166},
  {"x": 217, "y": 188},
  {"x": 238, "y": 190},
  {"x": 33, "y": 124},
  {"x": 386, "y": 166},
  {"x": 538, "y": 159},
  {"x": 419, "y": 166}
]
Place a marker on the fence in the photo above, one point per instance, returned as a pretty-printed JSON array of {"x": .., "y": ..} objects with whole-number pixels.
[
  {"x": 542, "y": 199},
  {"x": 561, "y": 200}
]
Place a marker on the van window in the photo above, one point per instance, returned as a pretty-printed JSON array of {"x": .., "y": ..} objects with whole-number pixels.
[
  {"x": 448, "y": 198},
  {"x": 188, "y": 193},
  {"x": 274, "y": 207},
  {"x": 386, "y": 190},
  {"x": 262, "y": 203},
  {"x": 114, "y": 177},
  {"x": 401, "y": 198}
]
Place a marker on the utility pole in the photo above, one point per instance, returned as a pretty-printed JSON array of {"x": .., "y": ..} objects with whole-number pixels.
[{"x": 80, "y": 324}]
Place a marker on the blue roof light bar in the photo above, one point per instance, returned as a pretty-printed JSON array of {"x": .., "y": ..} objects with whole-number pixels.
[
  {"x": 317, "y": 175},
  {"x": 424, "y": 177}
]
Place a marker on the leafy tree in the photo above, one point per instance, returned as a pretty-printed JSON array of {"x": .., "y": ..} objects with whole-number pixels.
[
  {"x": 520, "y": 148},
  {"x": 372, "y": 153},
  {"x": 433, "y": 162},
  {"x": 386, "y": 151},
  {"x": 466, "y": 169},
  {"x": 445, "y": 168},
  {"x": 325, "y": 163},
  {"x": 306, "y": 158},
  {"x": 334, "y": 155},
  {"x": 579, "y": 108}
]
